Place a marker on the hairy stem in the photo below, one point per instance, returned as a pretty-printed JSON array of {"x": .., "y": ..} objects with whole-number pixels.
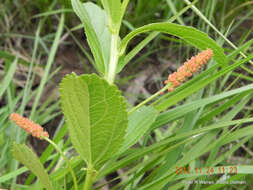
[
  {"x": 113, "y": 59},
  {"x": 89, "y": 179},
  {"x": 66, "y": 160},
  {"x": 149, "y": 99}
]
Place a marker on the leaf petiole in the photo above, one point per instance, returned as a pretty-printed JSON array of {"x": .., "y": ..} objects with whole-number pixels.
[{"x": 66, "y": 160}]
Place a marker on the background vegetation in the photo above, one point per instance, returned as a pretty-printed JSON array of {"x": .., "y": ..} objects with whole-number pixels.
[{"x": 41, "y": 41}]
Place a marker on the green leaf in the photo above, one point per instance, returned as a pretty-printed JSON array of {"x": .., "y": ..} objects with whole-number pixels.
[
  {"x": 244, "y": 132},
  {"x": 27, "y": 157},
  {"x": 139, "y": 153},
  {"x": 180, "y": 111},
  {"x": 95, "y": 23},
  {"x": 139, "y": 123},
  {"x": 113, "y": 9},
  {"x": 8, "y": 77},
  {"x": 189, "y": 34},
  {"x": 96, "y": 116}
]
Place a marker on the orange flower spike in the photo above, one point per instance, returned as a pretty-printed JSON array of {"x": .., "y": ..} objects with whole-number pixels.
[
  {"x": 29, "y": 126},
  {"x": 189, "y": 67}
]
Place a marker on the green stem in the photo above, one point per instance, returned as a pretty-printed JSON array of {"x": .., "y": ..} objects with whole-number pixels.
[
  {"x": 90, "y": 175},
  {"x": 149, "y": 99},
  {"x": 113, "y": 59},
  {"x": 66, "y": 160}
]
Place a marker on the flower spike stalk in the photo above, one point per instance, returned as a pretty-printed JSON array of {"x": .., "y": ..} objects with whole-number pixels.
[
  {"x": 37, "y": 131},
  {"x": 29, "y": 126},
  {"x": 189, "y": 67},
  {"x": 183, "y": 72}
]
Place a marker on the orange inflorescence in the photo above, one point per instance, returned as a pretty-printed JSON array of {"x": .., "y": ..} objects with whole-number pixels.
[
  {"x": 29, "y": 126},
  {"x": 189, "y": 67}
]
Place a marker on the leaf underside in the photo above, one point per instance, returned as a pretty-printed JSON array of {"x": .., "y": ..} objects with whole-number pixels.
[
  {"x": 27, "y": 157},
  {"x": 139, "y": 123},
  {"x": 96, "y": 116},
  {"x": 95, "y": 22}
]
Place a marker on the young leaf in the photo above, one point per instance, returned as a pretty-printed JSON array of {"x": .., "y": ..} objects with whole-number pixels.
[
  {"x": 96, "y": 116},
  {"x": 139, "y": 123},
  {"x": 113, "y": 9},
  {"x": 189, "y": 34},
  {"x": 95, "y": 23},
  {"x": 27, "y": 157}
]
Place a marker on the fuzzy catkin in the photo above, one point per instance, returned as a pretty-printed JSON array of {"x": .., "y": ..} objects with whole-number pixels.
[
  {"x": 29, "y": 126},
  {"x": 189, "y": 67}
]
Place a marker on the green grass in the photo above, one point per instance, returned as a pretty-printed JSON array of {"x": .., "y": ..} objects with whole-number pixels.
[{"x": 206, "y": 122}]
